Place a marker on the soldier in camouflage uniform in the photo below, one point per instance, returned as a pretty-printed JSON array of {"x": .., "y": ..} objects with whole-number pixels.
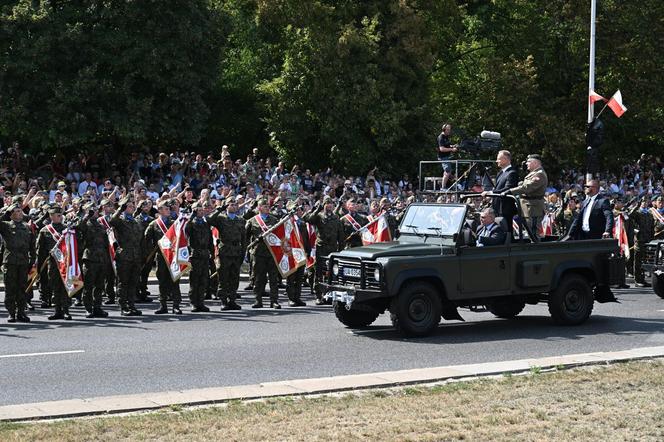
[
  {"x": 644, "y": 232},
  {"x": 107, "y": 209},
  {"x": 96, "y": 259},
  {"x": 128, "y": 233},
  {"x": 330, "y": 239},
  {"x": 294, "y": 280},
  {"x": 144, "y": 218},
  {"x": 45, "y": 243},
  {"x": 264, "y": 266},
  {"x": 201, "y": 248},
  {"x": 232, "y": 247},
  {"x": 45, "y": 290},
  {"x": 565, "y": 217},
  {"x": 351, "y": 221},
  {"x": 18, "y": 253},
  {"x": 167, "y": 288}
]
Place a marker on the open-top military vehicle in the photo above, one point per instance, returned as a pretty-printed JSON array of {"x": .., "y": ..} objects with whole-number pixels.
[
  {"x": 653, "y": 263},
  {"x": 433, "y": 268}
]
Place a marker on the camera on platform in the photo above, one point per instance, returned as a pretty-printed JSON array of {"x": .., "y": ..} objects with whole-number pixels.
[{"x": 487, "y": 141}]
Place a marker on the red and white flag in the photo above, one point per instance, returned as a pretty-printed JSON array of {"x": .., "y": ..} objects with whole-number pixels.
[
  {"x": 284, "y": 242},
  {"x": 377, "y": 230},
  {"x": 595, "y": 97},
  {"x": 65, "y": 254},
  {"x": 313, "y": 236},
  {"x": 548, "y": 222},
  {"x": 620, "y": 233},
  {"x": 215, "y": 241},
  {"x": 174, "y": 248},
  {"x": 112, "y": 242},
  {"x": 616, "y": 104}
]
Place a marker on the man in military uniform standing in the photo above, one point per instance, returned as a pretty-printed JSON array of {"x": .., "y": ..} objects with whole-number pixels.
[
  {"x": 45, "y": 290},
  {"x": 565, "y": 216},
  {"x": 18, "y": 253},
  {"x": 200, "y": 244},
  {"x": 128, "y": 257},
  {"x": 167, "y": 288},
  {"x": 620, "y": 212},
  {"x": 144, "y": 219},
  {"x": 352, "y": 222},
  {"x": 330, "y": 239},
  {"x": 49, "y": 237},
  {"x": 232, "y": 246},
  {"x": 96, "y": 259},
  {"x": 264, "y": 265},
  {"x": 295, "y": 279},
  {"x": 644, "y": 232},
  {"x": 531, "y": 193},
  {"x": 107, "y": 208}
]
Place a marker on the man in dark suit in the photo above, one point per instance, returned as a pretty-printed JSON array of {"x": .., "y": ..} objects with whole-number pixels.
[
  {"x": 595, "y": 219},
  {"x": 507, "y": 178},
  {"x": 490, "y": 233}
]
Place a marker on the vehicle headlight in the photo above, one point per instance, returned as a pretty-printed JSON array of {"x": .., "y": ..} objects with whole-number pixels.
[
  {"x": 335, "y": 269},
  {"x": 377, "y": 274}
]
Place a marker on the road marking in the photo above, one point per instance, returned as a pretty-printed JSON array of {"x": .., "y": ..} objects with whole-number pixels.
[{"x": 22, "y": 355}]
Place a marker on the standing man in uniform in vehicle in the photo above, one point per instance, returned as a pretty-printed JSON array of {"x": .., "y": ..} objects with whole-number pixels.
[{"x": 531, "y": 193}]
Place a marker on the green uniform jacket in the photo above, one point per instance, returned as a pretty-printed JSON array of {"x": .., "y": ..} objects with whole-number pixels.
[
  {"x": 532, "y": 190},
  {"x": 128, "y": 233},
  {"x": 18, "y": 243},
  {"x": 254, "y": 231},
  {"x": 644, "y": 225},
  {"x": 200, "y": 239},
  {"x": 232, "y": 234},
  {"x": 95, "y": 241},
  {"x": 330, "y": 235}
]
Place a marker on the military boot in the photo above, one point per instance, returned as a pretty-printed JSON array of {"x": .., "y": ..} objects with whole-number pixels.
[
  {"x": 66, "y": 315},
  {"x": 176, "y": 309},
  {"x": 275, "y": 305},
  {"x": 99, "y": 313},
  {"x": 163, "y": 309},
  {"x": 22, "y": 317},
  {"x": 57, "y": 315},
  {"x": 297, "y": 303},
  {"x": 12, "y": 318},
  {"x": 231, "y": 305},
  {"x": 89, "y": 314}
]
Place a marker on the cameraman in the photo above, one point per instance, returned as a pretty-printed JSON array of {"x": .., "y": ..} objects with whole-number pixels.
[{"x": 445, "y": 151}]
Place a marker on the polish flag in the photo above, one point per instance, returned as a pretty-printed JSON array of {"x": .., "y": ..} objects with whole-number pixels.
[
  {"x": 595, "y": 97},
  {"x": 616, "y": 104}
]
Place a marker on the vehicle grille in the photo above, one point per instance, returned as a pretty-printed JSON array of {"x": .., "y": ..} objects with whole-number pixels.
[
  {"x": 357, "y": 273},
  {"x": 651, "y": 251}
]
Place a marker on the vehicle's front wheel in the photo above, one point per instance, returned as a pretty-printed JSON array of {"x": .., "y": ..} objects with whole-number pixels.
[
  {"x": 506, "y": 308},
  {"x": 658, "y": 284},
  {"x": 353, "y": 318},
  {"x": 416, "y": 310},
  {"x": 572, "y": 302}
]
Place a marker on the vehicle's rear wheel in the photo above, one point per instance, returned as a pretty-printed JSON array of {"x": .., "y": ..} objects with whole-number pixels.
[
  {"x": 416, "y": 310},
  {"x": 572, "y": 302},
  {"x": 353, "y": 318},
  {"x": 658, "y": 284},
  {"x": 506, "y": 308}
]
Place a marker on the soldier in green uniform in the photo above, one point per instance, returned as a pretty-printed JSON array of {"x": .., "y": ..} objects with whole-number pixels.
[
  {"x": 232, "y": 246},
  {"x": 531, "y": 192},
  {"x": 128, "y": 233},
  {"x": 351, "y": 221},
  {"x": 619, "y": 211},
  {"x": 264, "y": 266},
  {"x": 565, "y": 217},
  {"x": 200, "y": 245},
  {"x": 295, "y": 279},
  {"x": 167, "y": 288},
  {"x": 107, "y": 209},
  {"x": 45, "y": 290},
  {"x": 144, "y": 218},
  {"x": 330, "y": 239},
  {"x": 96, "y": 259},
  {"x": 48, "y": 238},
  {"x": 18, "y": 253},
  {"x": 644, "y": 232}
]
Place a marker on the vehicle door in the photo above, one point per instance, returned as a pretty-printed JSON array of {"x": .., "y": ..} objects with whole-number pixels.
[{"x": 484, "y": 271}]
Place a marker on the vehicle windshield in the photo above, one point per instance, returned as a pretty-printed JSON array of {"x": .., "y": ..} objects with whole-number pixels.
[{"x": 443, "y": 220}]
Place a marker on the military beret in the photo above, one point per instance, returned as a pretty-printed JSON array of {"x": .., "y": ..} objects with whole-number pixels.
[
  {"x": 534, "y": 156},
  {"x": 55, "y": 210},
  {"x": 163, "y": 203},
  {"x": 327, "y": 199},
  {"x": 660, "y": 198}
]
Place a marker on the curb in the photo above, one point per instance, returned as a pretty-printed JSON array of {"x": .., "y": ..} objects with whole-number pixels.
[{"x": 205, "y": 396}]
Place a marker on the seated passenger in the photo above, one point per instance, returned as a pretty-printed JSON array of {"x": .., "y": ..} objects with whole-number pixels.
[{"x": 490, "y": 233}]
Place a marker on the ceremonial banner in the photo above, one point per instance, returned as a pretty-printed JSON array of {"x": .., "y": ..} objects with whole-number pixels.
[
  {"x": 173, "y": 246},
  {"x": 313, "y": 236},
  {"x": 352, "y": 221},
  {"x": 284, "y": 242},
  {"x": 377, "y": 230},
  {"x": 620, "y": 234},
  {"x": 215, "y": 241},
  {"x": 112, "y": 242},
  {"x": 65, "y": 254},
  {"x": 546, "y": 229}
]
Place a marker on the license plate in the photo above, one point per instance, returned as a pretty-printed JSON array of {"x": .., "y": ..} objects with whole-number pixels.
[{"x": 351, "y": 272}]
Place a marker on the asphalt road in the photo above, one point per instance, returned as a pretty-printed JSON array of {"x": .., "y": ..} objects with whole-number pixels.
[{"x": 86, "y": 358}]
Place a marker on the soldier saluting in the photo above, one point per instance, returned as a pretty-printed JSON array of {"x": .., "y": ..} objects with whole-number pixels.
[
  {"x": 531, "y": 192},
  {"x": 18, "y": 253},
  {"x": 96, "y": 259},
  {"x": 49, "y": 237},
  {"x": 200, "y": 243}
]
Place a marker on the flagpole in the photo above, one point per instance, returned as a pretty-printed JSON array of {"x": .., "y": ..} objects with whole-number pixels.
[{"x": 591, "y": 73}]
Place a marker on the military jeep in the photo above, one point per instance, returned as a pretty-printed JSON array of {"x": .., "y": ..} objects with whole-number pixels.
[
  {"x": 434, "y": 268},
  {"x": 653, "y": 263}
]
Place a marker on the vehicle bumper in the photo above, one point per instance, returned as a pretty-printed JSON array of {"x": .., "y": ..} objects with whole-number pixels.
[{"x": 348, "y": 293}]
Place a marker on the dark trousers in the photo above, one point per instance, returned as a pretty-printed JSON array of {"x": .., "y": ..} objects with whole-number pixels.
[
  {"x": 93, "y": 288},
  {"x": 167, "y": 288},
  {"x": 229, "y": 277},
  {"x": 16, "y": 281},
  {"x": 265, "y": 269},
  {"x": 129, "y": 276},
  {"x": 60, "y": 298},
  {"x": 294, "y": 284},
  {"x": 198, "y": 281}
]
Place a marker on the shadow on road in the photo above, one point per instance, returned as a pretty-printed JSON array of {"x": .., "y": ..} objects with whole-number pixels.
[{"x": 522, "y": 327}]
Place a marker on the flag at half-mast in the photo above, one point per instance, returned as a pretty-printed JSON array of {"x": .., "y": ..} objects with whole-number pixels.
[
  {"x": 616, "y": 104},
  {"x": 287, "y": 248},
  {"x": 378, "y": 230},
  {"x": 174, "y": 247},
  {"x": 65, "y": 254},
  {"x": 595, "y": 97}
]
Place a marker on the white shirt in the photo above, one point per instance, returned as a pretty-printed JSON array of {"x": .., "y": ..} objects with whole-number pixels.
[
  {"x": 585, "y": 226},
  {"x": 485, "y": 232}
]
